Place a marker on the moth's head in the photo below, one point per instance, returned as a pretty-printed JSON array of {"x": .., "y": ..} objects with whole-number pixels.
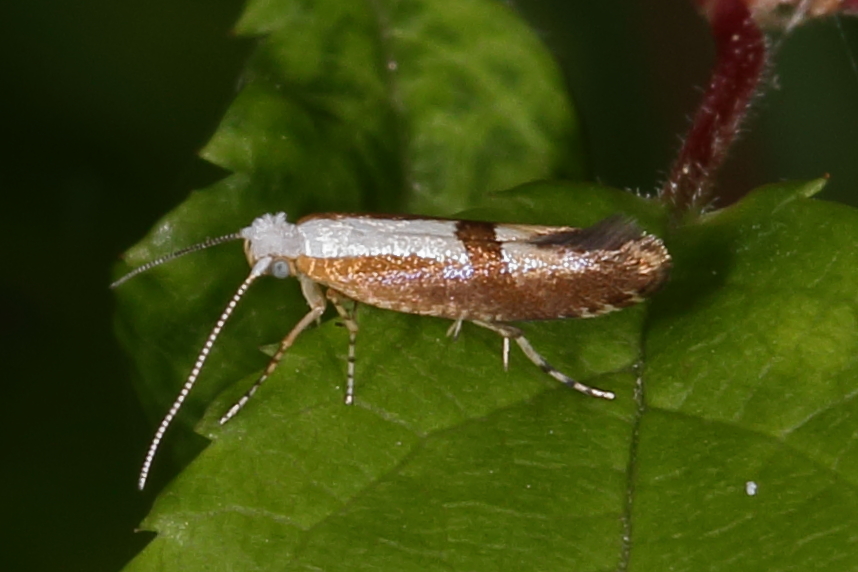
[{"x": 271, "y": 245}]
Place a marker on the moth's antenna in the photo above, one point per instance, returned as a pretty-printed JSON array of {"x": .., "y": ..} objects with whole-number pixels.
[
  {"x": 158, "y": 261},
  {"x": 260, "y": 268}
]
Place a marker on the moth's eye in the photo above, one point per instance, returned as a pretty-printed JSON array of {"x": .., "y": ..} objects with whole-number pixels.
[{"x": 280, "y": 269}]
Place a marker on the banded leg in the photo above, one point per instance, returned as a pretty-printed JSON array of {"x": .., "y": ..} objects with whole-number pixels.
[
  {"x": 511, "y": 332},
  {"x": 317, "y": 303},
  {"x": 348, "y": 317},
  {"x": 454, "y": 329}
]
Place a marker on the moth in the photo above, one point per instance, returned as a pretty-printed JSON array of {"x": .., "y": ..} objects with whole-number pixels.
[{"x": 489, "y": 274}]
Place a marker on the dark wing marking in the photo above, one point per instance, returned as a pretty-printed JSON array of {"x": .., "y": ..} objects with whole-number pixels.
[{"x": 608, "y": 234}]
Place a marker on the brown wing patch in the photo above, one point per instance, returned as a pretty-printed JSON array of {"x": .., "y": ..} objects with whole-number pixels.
[{"x": 484, "y": 250}]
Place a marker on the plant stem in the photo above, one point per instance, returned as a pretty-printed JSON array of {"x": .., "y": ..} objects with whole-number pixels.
[{"x": 741, "y": 59}]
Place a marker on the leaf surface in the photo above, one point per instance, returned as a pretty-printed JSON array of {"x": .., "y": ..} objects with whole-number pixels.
[{"x": 738, "y": 378}]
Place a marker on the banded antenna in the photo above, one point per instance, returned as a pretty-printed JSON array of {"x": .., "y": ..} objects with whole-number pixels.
[
  {"x": 208, "y": 243},
  {"x": 259, "y": 269}
]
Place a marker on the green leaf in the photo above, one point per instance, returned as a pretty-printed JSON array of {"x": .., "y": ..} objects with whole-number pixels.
[
  {"x": 742, "y": 371},
  {"x": 751, "y": 375},
  {"x": 445, "y": 460},
  {"x": 421, "y": 105}
]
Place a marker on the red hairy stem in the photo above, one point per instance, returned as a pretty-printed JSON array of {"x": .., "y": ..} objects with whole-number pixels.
[{"x": 742, "y": 55}]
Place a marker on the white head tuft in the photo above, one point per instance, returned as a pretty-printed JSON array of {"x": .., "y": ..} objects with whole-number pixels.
[{"x": 271, "y": 236}]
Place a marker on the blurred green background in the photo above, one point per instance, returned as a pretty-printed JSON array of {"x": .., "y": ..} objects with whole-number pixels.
[{"x": 104, "y": 105}]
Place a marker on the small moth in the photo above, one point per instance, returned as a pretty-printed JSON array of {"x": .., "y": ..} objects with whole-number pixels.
[{"x": 481, "y": 272}]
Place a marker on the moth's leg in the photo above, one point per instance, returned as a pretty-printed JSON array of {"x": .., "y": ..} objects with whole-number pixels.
[
  {"x": 316, "y": 300},
  {"x": 348, "y": 317},
  {"x": 454, "y": 329},
  {"x": 511, "y": 332}
]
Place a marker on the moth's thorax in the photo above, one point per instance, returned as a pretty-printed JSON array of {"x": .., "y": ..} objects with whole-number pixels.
[{"x": 270, "y": 236}]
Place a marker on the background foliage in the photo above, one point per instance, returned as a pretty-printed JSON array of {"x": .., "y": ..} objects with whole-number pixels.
[{"x": 106, "y": 104}]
